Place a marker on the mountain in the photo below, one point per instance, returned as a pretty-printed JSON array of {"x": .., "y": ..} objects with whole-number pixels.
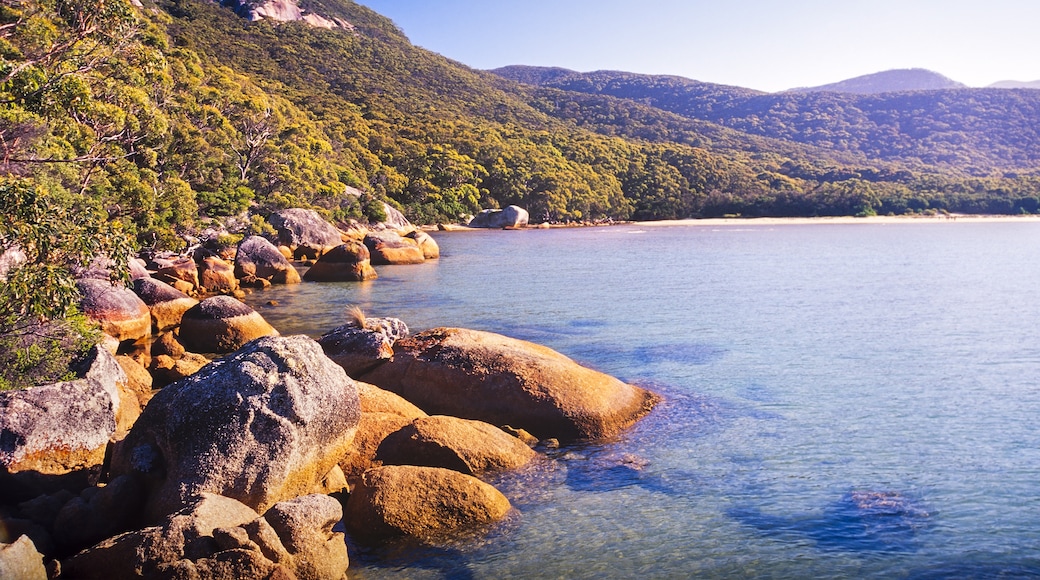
[
  {"x": 1015, "y": 85},
  {"x": 972, "y": 131},
  {"x": 914, "y": 79}
]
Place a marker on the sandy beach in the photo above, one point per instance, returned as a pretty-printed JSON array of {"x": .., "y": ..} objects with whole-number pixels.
[{"x": 780, "y": 221}]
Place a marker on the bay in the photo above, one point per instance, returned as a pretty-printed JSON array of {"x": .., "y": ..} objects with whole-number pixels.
[{"x": 848, "y": 400}]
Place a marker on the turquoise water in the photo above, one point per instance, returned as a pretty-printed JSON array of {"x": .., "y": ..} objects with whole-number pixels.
[{"x": 842, "y": 400}]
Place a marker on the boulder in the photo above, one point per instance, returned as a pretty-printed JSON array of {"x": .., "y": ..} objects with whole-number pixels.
[
  {"x": 259, "y": 258},
  {"x": 262, "y": 425},
  {"x": 431, "y": 250},
  {"x": 221, "y": 324},
  {"x": 420, "y": 502},
  {"x": 376, "y": 400},
  {"x": 179, "y": 269},
  {"x": 187, "y": 534},
  {"x": 138, "y": 268},
  {"x": 394, "y": 218},
  {"x": 217, "y": 276},
  {"x": 347, "y": 262},
  {"x": 389, "y": 247},
  {"x": 117, "y": 309},
  {"x": 19, "y": 560},
  {"x": 138, "y": 381},
  {"x": 372, "y": 429},
  {"x": 505, "y": 381},
  {"x": 305, "y": 232},
  {"x": 166, "y": 370},
  {"x": 382, "y": 413},
  {"x": 305, "y": 527},
  {"x": 510, "y": 217},
  {"x": 167, "y": 344},
  {"x": 54, "y": 436},
  {"x": 166, "y": 304},
  {"x": 466, "y": 446},
  {"x": 361, "y": 345},
  {"x": 217, "y": 537}
]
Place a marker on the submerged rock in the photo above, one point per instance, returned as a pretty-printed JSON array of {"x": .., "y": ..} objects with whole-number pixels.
[
  {"x": 505, "y": 381},
  {"x": 263, "y": 425}
]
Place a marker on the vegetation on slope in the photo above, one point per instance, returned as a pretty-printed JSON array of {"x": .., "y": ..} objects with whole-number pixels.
[
  {"x": 955, "y": 131},
  {"x": 125, "y": 124}
]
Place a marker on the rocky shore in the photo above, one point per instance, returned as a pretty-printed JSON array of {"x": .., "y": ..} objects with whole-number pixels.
[{"x": 197, "y": 442}]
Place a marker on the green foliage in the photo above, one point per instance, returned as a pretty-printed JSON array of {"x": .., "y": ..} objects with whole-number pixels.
[
  {"x": 42, "y": 353},
  {"x": 54, "y": 238}
]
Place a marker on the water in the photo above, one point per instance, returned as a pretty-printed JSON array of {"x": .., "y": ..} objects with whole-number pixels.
[{"x": 841, "y": 400}]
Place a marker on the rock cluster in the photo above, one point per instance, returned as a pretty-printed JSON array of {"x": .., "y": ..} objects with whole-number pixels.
[{"x": 159, "y": 463}]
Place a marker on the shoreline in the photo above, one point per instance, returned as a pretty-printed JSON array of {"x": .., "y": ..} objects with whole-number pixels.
[
  {"x": 903, "y": 219},
  {"x": 774, "y": 221}
]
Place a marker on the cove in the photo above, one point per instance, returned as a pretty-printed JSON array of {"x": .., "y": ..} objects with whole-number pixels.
[{"x": 841, "y": 400}]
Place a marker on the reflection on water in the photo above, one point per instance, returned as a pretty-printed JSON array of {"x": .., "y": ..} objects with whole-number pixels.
[{"x": 841, "y": 401}]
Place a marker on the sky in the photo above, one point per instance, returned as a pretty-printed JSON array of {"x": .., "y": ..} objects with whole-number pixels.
[{"x": 769, "y": 45}]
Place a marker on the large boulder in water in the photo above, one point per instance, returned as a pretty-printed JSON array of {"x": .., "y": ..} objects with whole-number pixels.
[
  {"x": 466, "y": 446},
  {"x": 510, "y": 217},
  {"x": 431, "y": 250},
  {"x": 389, "y": 248},
  {"x": 221, "y": 324},
  {"x": 505, "y": 381},
  {"x": 259, "y": 258},
  {"x": 420, "y": 502},
  {"x": 263, "y": 425},
  {"x": 305, "y": 232},
  {"x": 348, "y": 262},
  {"x": 116, "y": 308},
  {"x": 55, "y": 436}
]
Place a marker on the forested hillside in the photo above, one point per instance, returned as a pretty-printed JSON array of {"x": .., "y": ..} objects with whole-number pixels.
[
  {"x": 973, "y": 131},
  {"x": 159, "y": 119}
]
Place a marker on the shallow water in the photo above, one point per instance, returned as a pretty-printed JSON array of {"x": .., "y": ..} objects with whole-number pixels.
[{"x": 841, "y": 400}]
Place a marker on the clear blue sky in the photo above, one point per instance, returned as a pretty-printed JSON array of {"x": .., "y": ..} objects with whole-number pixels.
[{"x": 768, "y": 45}]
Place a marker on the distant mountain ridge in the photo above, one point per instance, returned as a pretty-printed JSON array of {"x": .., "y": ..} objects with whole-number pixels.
[
  {"x": 1016, "y": 85},
  {"x": 890, "y": 81},
  {"x": 973, "y": 130}
]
